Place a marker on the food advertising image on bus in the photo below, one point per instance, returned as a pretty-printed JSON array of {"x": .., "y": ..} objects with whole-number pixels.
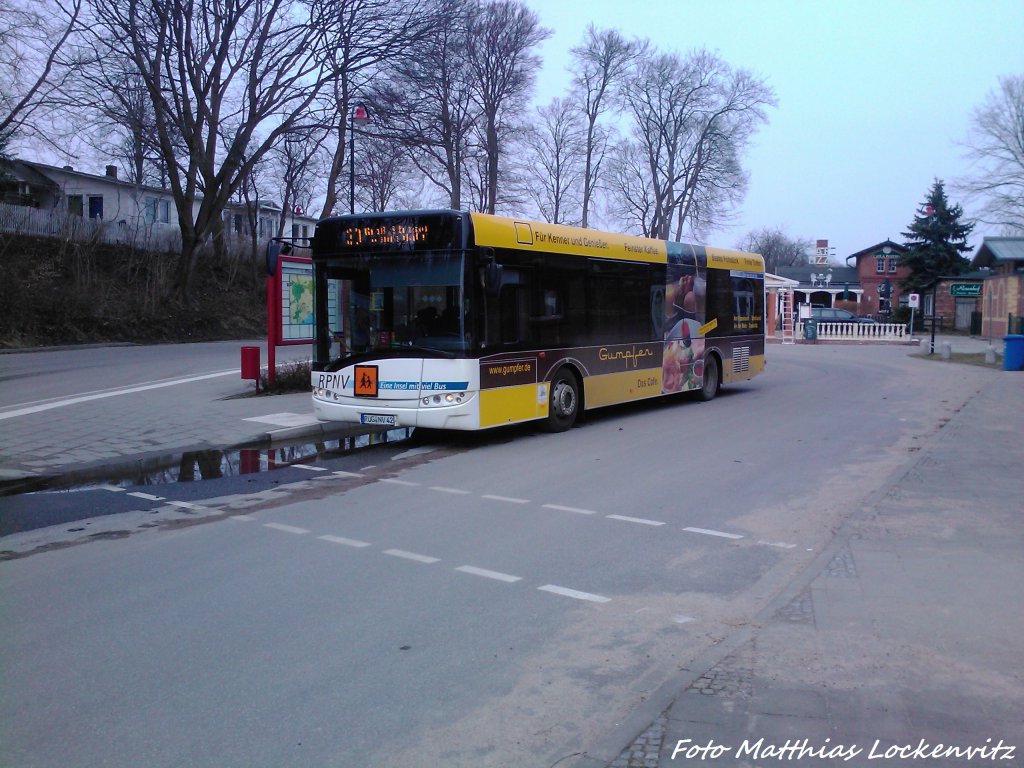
[{"x": 457, "y": 320}]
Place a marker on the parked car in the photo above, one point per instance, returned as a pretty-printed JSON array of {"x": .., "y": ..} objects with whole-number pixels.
[{"x": 836, "y": 315}]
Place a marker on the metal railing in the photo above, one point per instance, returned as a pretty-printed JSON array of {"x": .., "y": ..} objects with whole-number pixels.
[{"x": 874, "y": 332}]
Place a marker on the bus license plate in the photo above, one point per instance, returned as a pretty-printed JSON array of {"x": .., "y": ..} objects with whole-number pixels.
[{"x": 382, "y": 419}]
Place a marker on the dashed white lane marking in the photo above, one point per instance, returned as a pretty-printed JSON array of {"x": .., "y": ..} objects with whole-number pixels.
[
  {"x": 577, "y": 510},
  {"x": 146, "y": 496},
  {"x": 393, "y": 481},
  {"x": 243, "y": 518},
  {"x": 186, "y": 505},
  {"x": 508, "y": 499},
  {"x": 779, "y": 544},
  {"x": 341, "y": 473},
  {"x": 680, "y": 619},
  {"x": 442, "y": 489},
  {"x": 411, "y": 556},
  {"x": 496, "y": 575},
  {"x": 343, "y": 540},
  {"x": 285, "y": 528},
  {"x": 111, "y": 488},
  {"x": 640, "y": 520},
  {"x": 310, "y": 467},
  {"x": 574, "y": 593},
  {"x": 709, "y": 532}
]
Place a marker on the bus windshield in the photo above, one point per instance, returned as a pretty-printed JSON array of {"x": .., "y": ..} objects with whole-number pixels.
[{"x": 396, "y": 302}]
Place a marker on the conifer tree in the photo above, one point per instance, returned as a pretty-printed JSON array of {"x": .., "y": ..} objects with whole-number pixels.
[{"x": 936, "y": 241}]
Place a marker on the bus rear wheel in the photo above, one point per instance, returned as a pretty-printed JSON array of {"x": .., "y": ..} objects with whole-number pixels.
[
  {"x": 711, "y": 380},
  {"x": 563, "y": 401}
]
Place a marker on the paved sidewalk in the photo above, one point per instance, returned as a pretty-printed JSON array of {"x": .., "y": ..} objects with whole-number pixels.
[
  {"x": 97, "y": 437},
  {"x": 906, "y": 633}
]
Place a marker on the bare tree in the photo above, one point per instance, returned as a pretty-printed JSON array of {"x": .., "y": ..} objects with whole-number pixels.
[
  {"x": 555, "y": 159},
  {"x": 218, "y": 73},
  {"x": 430, "y": 108},
  {"x": 777, "y": 248},
  {"x": 33, "y": 67},
  {"x": 383, "y": 173},
  {"x": 371, "y": 33},
  {"x": 599, "y": 65},
  {"x": 502, "y": 36},
  {"x": 632, "y": 198},
  {"x": 691, "y": 119},
  {"x": 298, "y": 164},
  {"x": 996, "y": 145}
]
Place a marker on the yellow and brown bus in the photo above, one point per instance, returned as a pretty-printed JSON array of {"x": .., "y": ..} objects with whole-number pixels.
[{"x": 456, "y": 320}]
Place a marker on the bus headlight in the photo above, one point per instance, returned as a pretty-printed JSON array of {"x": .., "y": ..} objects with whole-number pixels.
[{"x": 448, "y": 398}]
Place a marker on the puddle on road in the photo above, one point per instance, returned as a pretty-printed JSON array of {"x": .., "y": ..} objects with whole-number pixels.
[{"x": 208, "y": 464}]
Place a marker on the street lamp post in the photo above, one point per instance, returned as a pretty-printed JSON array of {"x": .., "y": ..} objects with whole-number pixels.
[{"x": 359, "y": 117}]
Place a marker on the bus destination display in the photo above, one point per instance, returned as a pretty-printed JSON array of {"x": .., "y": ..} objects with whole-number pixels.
[{"x": 389, "y": 234}]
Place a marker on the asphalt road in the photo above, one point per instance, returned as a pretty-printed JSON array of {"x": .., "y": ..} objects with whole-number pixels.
[{"x": 506, "y": 599}]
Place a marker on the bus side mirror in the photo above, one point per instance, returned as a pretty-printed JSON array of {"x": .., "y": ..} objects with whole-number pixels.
[
  {"x": 492, "y": 277},
  {"x": 273, "y": 251}
]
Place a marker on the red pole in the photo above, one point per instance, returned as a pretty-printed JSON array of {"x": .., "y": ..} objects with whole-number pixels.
[{"x": 271, "y": 330}]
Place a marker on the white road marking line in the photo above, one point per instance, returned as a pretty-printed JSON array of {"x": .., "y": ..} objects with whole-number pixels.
[
  {"x": 285, "y": 528},
  {"x": 509, "y": 499},
  {"x": 393, "y": 481},
  {"x": 310, "y": 467},
  {"x": 185, "y": 505},
  {"x": 411, "y": 556},
  {"x": 680, "y": 619},
  {"x": 779, "y": 544},
  {"x": 709, "y": 532},
  {"x": 111, "y": 488},
  {"x": 343, "y": 540},
  {"x": 102, "y": 395},
  {"x": 640, "y": 520},
  {"x": 341, "y": 473},
  {"x": 496, "y": 575},
  {"x": 146, "y": 496},
  {"x": 442, "y": 489},
  {"x": 577, "y": 510},
  {"x": 243, "y": 518},
  {"x": 574, "y": 593}
]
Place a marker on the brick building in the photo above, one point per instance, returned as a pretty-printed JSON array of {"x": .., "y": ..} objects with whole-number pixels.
[{"x": 1002, "y": 304}]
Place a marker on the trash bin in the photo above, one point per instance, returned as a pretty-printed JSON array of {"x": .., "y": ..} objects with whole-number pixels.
[
  {"x": 1013, "y": 352},
  {"x": 811, "y": 329},
  {"x": 250, "y": 363}
]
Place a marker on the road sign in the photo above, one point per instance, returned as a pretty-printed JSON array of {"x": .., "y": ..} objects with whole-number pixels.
[
  {"x": 914, "y": 300},
  {"x": 965, "y": 289}
]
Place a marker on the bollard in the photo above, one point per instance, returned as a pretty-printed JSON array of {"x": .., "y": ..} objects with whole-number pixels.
[
  {"x": 947, "y": 350},
  {"x": 990, "y": 355}
]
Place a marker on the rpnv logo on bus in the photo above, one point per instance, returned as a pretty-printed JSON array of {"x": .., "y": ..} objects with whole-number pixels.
[{"x": 365, "y": 381}]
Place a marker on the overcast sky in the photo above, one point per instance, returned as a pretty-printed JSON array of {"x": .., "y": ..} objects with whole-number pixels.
[{"x": 874, "y": 96}]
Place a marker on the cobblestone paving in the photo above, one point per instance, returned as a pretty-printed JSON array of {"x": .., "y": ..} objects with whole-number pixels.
[
  {"x": 643, "y": 753},
  {"x": 842, "y": 565},
  {"x": 731, "y": 677},
  {"x": 800, "y": 609}
]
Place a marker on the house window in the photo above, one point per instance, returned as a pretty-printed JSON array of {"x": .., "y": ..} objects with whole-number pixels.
[
  {"x": 892, "y": 265},
  {"x": 75, "y": 205},
  {"x": 164, "y": 212},
  {"x": 880, "y": 264},
  {"x": 95, "y": 206}
]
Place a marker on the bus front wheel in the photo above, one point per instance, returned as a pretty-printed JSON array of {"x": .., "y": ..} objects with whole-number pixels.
[
  {"x": 563, "y": 401},
  {"x": 711, "y": 380}
]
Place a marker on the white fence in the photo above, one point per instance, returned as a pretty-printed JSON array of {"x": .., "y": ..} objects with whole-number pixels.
[
  {"x": 159, "y": 237},
  {"x": 23, "y": 220},
  {"x": 880, "y": 332}
]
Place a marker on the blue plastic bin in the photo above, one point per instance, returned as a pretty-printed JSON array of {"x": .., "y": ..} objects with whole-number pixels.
[{"x": 1013, "y": 352}]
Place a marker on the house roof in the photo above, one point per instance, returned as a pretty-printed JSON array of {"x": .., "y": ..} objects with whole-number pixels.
[
  {"x": 995, "y": 250},
  {"x": 871, "y": 251}
]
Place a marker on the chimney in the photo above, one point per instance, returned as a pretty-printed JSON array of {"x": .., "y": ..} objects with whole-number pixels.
[{"x": 112, "y": 171}]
